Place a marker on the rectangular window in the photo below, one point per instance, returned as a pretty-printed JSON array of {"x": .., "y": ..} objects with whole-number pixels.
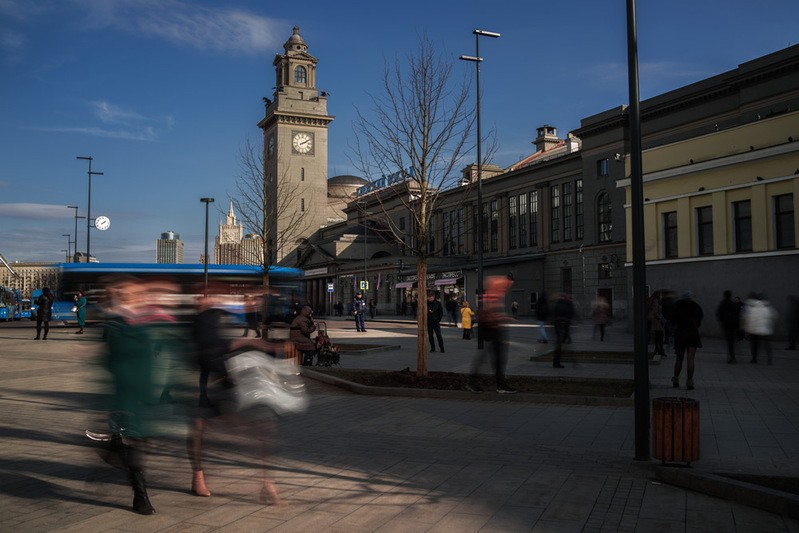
[
  {"x": 579, "y": 226},
  {"x": 554, "y": 193},
  {"x": 431, "y": 235},
  {"x": 534, "y": 218},
  {"x": 533, "y": 301},
  {"x": 402, "y": 223},
  {"x": 302, "y": 174},
  {"x": 486, "y": 226},
  {"x": 494, "y": 226},
  {"x": 670, "y": 234},
  {"x": 783, "y": 221},
  {"x": 742, "y": 225},
  {"x": 704, "y": 230},
  {"x": 475, "y": 228},
  {"x": 512, "y": 216},
  {"x": 566, "y": 280},
  {"x": 602, "y": 167},
  {"x": 302, "y": 204},
  {"x": 522, "y": 220},
  {"x": 567, "y": 211},
  {"x": 461, "y": 229},
  {"x": 445, "y": 230}
]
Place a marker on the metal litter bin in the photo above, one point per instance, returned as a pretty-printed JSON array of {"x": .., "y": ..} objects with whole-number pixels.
[{"x": 675, "y": 429}]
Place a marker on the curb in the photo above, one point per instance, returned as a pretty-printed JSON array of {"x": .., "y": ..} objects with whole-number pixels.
[
  {"x": 357, "y": 388},
  {"x": 367, "y": 351},
  {"x": 765, "y": 498}
]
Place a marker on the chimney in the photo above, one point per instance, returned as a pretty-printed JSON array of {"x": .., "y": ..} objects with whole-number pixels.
[{"x": 546, "y": 138}]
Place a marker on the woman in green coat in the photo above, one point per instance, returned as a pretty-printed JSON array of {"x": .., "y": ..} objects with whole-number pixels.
[{"x": 80, "y": 311}]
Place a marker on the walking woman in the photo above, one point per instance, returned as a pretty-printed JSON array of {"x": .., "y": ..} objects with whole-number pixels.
[
  {"x": 686, "y": 318},
  {"x": 44, "y": 311},
  {"x": 80, "y": 311},
  {"x": 466, "y": 319}
]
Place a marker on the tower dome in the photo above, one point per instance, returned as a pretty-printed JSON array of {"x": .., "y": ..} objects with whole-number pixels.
[{"x": 295, "y": 43}]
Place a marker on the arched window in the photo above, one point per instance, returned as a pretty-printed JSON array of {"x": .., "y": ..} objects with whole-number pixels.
[
  {"x": 604, "y": 218},
  {"x": 300, "y": 75}
]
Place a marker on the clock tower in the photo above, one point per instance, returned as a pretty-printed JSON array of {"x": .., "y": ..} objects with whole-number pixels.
[{"x": 295, "y": 150}]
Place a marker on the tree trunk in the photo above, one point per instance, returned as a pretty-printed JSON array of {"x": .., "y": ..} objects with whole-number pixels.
[{"x": 421, "y": 315}]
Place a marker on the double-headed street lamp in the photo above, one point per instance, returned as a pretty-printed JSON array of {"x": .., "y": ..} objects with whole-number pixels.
[
  {"x": 76, "y": 229},
  {"x": 89, "y": 208},
  {"x": 206, "y": 201},
  {"x": 477, "y": 59},
  {"x": 69, "y": 244}
]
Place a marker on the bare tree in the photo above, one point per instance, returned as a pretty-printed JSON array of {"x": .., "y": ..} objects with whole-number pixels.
[
  {"x": 256, "y": 208},
  {"x": 417, "y": 132}
]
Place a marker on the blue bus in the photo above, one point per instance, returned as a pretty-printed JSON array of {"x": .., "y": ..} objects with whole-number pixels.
[
  {"x": 285, "y": 283},
  {"x": 9, "y": 303}
]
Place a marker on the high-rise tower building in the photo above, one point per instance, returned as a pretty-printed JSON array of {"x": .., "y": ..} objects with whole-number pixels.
[
  {"x": 227, "y": 249},
  {"x": 295, "y": 150},
  {"x": 169, "y": 248}
]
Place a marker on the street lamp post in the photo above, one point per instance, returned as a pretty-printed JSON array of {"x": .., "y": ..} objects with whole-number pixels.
[
  {"x": 89, "y": 207},
  {"x": 69, "y": 244},
  {"x": 206, "y": 201},
  {"x": 477, "y": 60},
  {"x": 76, "y": 229}
]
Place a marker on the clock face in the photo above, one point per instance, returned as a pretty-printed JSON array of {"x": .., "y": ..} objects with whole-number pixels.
[
  {"x": 302, "y": 142},
  {"x": 102, "y": 223},
  {"x": 271, "y": 145}
]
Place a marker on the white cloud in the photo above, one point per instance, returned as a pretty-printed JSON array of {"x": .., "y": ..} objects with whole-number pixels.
[
  {"x": 35, "y": 211},
  {"x": 187, "y": 24},
  {"x": 141, "y": 134},
  {"x": 114, "y": 114}
]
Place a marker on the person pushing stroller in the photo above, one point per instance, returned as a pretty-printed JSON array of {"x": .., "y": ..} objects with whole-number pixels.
[{"x": 301, "y": 328}]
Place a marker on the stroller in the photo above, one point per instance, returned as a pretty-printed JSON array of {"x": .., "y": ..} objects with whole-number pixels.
[{"x": 326, "y": 353}]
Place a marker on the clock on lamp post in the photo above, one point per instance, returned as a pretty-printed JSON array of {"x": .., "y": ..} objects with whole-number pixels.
[{"x": 102, "y": 223}]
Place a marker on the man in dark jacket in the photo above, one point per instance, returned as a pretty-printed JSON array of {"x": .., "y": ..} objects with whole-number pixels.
[
  {"x": 728, "y": 313},
  {"x": 44, "y": 312},
  {"x": 542, "y": 314},
  {"x": 562, "y": 315},
  {"x": 434, "y": 313},
  {"x": 359, "y": 312}
]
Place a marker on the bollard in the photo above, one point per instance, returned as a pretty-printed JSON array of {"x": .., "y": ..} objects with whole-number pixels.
[{"x": 675, "y": 429}]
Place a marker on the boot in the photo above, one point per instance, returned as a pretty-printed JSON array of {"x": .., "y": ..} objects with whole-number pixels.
[
  {"x": 141, "y": 503},
  {"x": 198, "y": 486}
]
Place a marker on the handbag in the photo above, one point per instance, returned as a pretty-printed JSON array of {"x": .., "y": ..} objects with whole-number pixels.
[{"x": 261, "y": 379}]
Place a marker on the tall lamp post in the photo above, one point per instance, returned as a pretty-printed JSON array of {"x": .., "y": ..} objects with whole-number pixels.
[
  {"x": 89, "y": 207},
  {"x": 69, "y": 244},
  {"x": 477, "y": 60},
  {"x": 206, "y": 201},
  {"x": 76, "y": 229}
]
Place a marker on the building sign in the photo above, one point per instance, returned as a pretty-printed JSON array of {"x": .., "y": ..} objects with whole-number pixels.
[
  {"x": 386, "y": 181},
  {"x": 316, "y": 271},
  {"x": 364, "y": 285},
  {"x": 329, "y": 287}
]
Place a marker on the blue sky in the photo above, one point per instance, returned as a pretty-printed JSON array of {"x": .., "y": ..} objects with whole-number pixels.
[{"x": 164, "y": 93}]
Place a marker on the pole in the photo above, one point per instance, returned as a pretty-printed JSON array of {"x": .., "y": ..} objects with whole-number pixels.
[
  {"x": 76, "y": 230},
  {"x": 69, "y": 244},
  {"x": 206, "y": 201},
  {"x": 89, "y": 207},
  {"x": 480, "y": 244},
  {"x": 638, "y": 248}
]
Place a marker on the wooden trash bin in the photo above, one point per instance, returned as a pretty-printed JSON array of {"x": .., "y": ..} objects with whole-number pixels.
[{"x": 675, "y": 429}]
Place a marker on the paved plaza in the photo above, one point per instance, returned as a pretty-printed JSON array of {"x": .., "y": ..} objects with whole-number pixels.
[{"x": 356, "y": 463}]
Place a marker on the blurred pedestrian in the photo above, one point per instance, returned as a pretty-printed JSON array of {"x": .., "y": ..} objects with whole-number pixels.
[
  {"x": 493, "y": 323},
  {"x": 667, "y": 302},
  {"x": 740, "y": 333},
  {"x": 562, "y": 316},
  {"x": 728, "y": 313},
  {"x": 687, "y": 319},
  {"x": 792, "y": 322},
  {"x": 435, "y": 312},
  {"x": 514, "y": 308},
  {"x": 759, "y": 318},
  {"x": 301, "y": 329},
  {"x": 44, "y": 312},
  {"x": 656, "y": 323},
  {"x": 372, "y": 308},
  {"x": 80, "y": 311},
  {"x": 252, "y": 320},
  {"x": 601, "y": 315},
  {"x": 359, "y": 312},
  {"x": 542, "y": 314},
  {"x": 452, "y": 309},
  {"x": 466, "y": 319}
]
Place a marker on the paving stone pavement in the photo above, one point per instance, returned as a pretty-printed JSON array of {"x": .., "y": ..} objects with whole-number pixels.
[{"x": 356, "y": 463}]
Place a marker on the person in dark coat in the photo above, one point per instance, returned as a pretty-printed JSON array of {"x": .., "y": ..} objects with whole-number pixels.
[
  {"x": 359, "y": 312},
  {"x": 542, "y": 315},
  {"x": 562, "y": 316},
  {"x": 435, "y": 311},
  {"x": 44, "y": 312},
  {"x": 728, "y": 313},
  {"x": 792, "y": 321},
  {"x": 686, "y": 319},
  {"x": 251, "y": 316},
  {"x": 301, "y": 329}
]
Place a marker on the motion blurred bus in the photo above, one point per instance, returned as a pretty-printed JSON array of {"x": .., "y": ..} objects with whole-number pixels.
[
  {"x": 9, "y": 304},
  {"x": 234, "y": 281}
]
